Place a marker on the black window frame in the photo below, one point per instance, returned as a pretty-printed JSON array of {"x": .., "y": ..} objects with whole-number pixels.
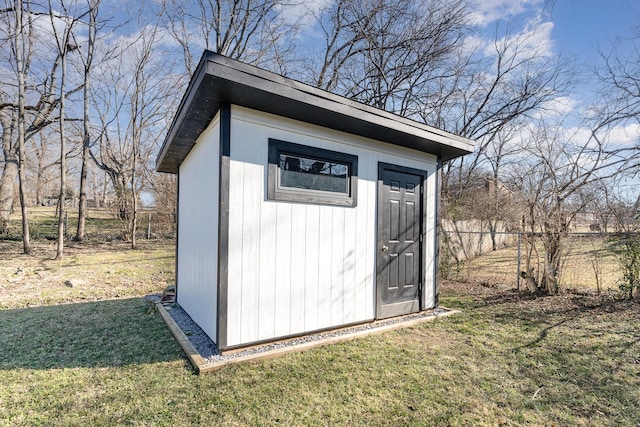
[{"x": 291, "y": 194}]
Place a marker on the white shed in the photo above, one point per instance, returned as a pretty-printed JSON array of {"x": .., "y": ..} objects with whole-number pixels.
[{"x": 299, "y": 210}]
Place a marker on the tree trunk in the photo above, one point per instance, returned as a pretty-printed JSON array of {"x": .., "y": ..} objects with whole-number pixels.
[
  {"x": 40, "y": 176},
  {"x": 134, "y": 192},
  {"x": 134, "y": 217},
  {"x": 7, "y": 190},
  {"x": 94, "y": 188},
  {"x": 26, "y": 236},
  {"x": 105, "y": 187},
  {"x": 550, "y": 279},
  {"x": 529, "y": 274},
  {"x": 552, "y": 259},
  {"x": 26, "y": 244},
  {"x": 9, "y": 171},
  {"x": 493, "y": 227},
  {"x": 82, "y": 202},
  {"x": 63, "y": 163}
]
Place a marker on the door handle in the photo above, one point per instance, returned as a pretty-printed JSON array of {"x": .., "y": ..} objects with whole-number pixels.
[{"x": 385, "y": 248}]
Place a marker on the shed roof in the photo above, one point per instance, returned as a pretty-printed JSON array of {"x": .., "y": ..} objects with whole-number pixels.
[{"x": 219, "y": 79}]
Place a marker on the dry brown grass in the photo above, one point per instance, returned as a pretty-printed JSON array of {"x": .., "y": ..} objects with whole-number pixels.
[
  {"x": 87, "y": 272},
  {"x": 578, "y": 265}
]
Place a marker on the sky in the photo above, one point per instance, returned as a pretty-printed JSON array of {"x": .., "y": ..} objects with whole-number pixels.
[
  {"x": 571, "y": 29},
  {"x": 578, "y": 26},
  {"x": 582, "y": 26},
  {"x": 575, "y": 30}
]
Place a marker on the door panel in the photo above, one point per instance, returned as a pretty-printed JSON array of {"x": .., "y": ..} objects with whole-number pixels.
[{"x": 400, "y": 225}]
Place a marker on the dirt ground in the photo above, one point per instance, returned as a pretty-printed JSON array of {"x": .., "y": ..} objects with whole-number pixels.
[
  {"x": 567, "y": 300},
  {"x": 87, "y": 272},
  {"x": 97, "y": 271}
]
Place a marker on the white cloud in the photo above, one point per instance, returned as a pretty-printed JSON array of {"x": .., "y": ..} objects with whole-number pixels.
[
  {"x": 519, "y": 30},
  {"x": 539, "y": 38},
  {"x": 533, "y": 41},
  {"x": 521, "y": 23},
  {"x": 579, "y": 136},
  {"x": 484, "y": 12},
  {"x": 559, "y": 107},
  {"x": 627, "y": 136},
  {"x": 616, "y": 137},
  {"x": 474, "y": 43},
  {"x": 302, "y": 12}
]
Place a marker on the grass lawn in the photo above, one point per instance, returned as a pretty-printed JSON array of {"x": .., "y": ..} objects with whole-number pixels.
[
  {"x": 507, "y": 359},
  {"x": 101, "y": 224},
  {"x": 87, "y": 272},
  {"x": 580, "y": 253}
]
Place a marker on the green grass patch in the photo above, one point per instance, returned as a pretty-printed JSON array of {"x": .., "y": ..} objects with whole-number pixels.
[{"x": 507, "y": 359}]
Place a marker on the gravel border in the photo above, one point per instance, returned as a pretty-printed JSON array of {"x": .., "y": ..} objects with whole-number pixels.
[{"x": 211, "y": 354}]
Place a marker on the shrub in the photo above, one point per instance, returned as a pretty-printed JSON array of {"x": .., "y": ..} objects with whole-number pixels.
[{"x": 628, "y": 254}]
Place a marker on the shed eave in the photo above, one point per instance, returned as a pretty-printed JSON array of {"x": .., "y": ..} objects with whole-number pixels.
[{"x": 220, "y": 79}]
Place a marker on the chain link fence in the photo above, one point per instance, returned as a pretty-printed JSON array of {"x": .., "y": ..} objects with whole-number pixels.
[{"x": 589, "y": 260}]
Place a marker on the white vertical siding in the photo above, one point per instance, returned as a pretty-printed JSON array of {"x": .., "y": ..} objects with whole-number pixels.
[
  {"x": 336, "y": 280},
  {"x": 349, "y": 267},
  {"x": 298, "y": 270},
  {"x": 197, "y": 274},
  {"x": 311, "y": 267},
  {"x": 297, "y": 267},
  {"x": 325, "y": 224},
  {"x": 268, "y": 276},
  {"x": 282, "y": 266}
]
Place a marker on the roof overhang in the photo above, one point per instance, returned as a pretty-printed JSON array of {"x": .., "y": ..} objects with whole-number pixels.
[{"x": 219, "y": 79}]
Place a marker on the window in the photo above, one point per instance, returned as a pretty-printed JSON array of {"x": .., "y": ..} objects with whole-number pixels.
[{"x": 299, "y": 173}]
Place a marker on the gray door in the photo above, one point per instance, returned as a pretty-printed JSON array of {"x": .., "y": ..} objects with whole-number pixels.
[{"x": 400, "y": 223}]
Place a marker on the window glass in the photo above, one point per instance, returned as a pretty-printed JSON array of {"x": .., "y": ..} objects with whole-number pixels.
[
  {"x": 307, "y": 174},
  {"x": 313, "y": 174}
]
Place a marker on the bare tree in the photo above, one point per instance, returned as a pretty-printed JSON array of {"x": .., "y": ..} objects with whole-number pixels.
[
  {"x": 417, "y": 59},
  {"x": 64, "y": 43},
  {"x": 20, "y": 43},
  {"x": 87, "y": 62},
  {"x": 164, "y": 188},
  {"x": 619, "y": 76},
  {"x": 42, "y": 164},
  {"x": 487, "y": 194},
  {"x": 253, "y": 31},
  {"x": 41, "y": 94},
  {"x": 384, "y": 53},
  {"x": 492, "y": 96},
  {"x": 133, "y": 97},
  {"x": 558, "y": 177},
  {"x": 21, "y": 66},
  {"x": 561, "y": 173}
]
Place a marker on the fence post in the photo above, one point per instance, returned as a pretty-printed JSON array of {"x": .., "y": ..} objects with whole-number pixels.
[
  {"x": 149, "y": 227},
  {"x": 518, "y": 272}
]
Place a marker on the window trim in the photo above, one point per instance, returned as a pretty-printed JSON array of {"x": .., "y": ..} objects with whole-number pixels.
[{"x": 301, "y": 195}]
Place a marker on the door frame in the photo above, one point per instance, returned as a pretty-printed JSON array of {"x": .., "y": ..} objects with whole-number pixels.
[{"x": 407, "y": 307}]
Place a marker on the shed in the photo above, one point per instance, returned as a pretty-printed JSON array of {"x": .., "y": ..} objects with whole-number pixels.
[{"x": 299, "y": 210}]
